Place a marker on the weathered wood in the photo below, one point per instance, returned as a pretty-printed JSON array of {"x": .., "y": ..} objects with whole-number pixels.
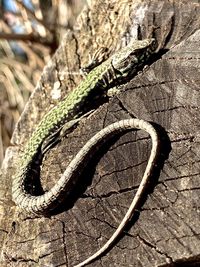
[{"x": 166, "y": 229}]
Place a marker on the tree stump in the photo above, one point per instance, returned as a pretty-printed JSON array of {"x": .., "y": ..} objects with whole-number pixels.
[{"x": 165, "y": 230}]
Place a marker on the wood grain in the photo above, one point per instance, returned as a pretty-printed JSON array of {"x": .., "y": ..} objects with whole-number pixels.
[{"x": 166, "y": 229}]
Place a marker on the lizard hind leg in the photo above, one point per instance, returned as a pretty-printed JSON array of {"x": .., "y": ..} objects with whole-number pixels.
[
  {"x": 61, "y": 132},
  {"x": 55, "y": 137}
]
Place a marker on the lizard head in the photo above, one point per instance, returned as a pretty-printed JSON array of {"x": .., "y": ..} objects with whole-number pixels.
[{"x": 130, "y": 58}]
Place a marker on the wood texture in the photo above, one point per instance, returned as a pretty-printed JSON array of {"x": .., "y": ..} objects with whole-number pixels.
[{"x": 165, "y": 232}]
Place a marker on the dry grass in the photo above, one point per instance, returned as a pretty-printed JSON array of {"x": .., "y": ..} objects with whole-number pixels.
[{"x": 43, "y": 30}]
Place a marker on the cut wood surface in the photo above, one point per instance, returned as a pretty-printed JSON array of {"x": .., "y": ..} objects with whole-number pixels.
[{"x": 165, "y": 230}]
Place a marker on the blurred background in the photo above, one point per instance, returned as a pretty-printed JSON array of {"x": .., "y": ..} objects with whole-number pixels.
[{"x": 30, "y": 32}]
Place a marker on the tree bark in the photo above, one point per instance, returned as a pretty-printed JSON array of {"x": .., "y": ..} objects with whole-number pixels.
[{"x": 165, "y": 230}]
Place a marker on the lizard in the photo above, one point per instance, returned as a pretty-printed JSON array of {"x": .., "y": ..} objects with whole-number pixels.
[{"x": 120, "y": 66}]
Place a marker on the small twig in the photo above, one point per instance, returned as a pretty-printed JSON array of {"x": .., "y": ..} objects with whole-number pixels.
[
  {"x": 29, "y": 12},
  {"x": 25, "y": 37}
]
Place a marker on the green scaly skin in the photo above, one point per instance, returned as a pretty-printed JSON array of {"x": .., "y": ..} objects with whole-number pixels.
[{"x": 122, "y": 64}]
